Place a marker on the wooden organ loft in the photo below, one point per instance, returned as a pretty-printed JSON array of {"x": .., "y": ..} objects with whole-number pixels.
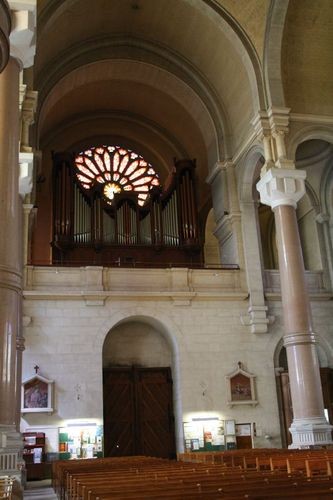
[{"x": 100, "y": 218}]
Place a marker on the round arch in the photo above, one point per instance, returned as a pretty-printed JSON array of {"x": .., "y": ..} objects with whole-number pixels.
[
  {"x": 165, "y": 327},
  {"x": 272, "y": 54},
  {"x": 249, "y": 168},
  {"x": 308, "y": 133}
]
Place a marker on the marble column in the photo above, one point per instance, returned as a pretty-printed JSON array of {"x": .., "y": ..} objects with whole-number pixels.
[
  {"x": 282, "y": 189},
  {"x": 5, "y": 26},
  {"x": 22, "y": 51},
  {"x": 10, "y": 265}
]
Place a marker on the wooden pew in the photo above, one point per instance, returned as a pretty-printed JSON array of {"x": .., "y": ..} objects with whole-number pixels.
[
  {"x": 6, "y": 487},
  {"x": 143, "y": 477}
]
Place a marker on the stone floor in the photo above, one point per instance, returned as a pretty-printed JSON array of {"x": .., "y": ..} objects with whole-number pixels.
[{"x": 39, "y": 490}]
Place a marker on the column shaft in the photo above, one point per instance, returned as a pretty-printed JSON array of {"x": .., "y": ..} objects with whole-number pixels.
[
  {"x": 10, "y": 265},
  {"x": 299, "y": 339}
]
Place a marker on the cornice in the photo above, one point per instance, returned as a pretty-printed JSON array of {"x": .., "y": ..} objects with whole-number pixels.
[
  {"x": 308, "y": 118},
  {"x": 131, "y": 295}
]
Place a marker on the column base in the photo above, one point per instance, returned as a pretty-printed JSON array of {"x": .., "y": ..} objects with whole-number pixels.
[
  {"x": 310, "y": 432},
  {"x": 11, "y": 461}
]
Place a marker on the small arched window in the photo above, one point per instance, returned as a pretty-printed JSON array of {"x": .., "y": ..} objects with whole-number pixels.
[{"x": 119, "y": 169}]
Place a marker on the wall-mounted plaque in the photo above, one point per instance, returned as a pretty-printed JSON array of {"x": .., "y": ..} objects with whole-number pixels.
[
  {"x": 241, "y": 387},
  {"x": 36, "y": 395}
]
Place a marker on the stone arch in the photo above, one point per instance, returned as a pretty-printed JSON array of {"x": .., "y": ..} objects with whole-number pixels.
[
  {"x": 182, "y": 84},
  {"x": 320, "y": 196},
  {"x": 272, "y": 54},
  {"x": 166, "y": 53},
  {"x": 165, "y": 327},
  {"x": 210, "y": 128},
  {"x": 250, "y": 167},
  {"x": 307, "y": 133}
]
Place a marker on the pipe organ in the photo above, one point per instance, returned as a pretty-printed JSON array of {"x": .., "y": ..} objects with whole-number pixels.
[{"x": 88, "y": 228}]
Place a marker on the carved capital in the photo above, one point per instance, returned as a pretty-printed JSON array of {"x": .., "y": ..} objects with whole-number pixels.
[
  {"x": 279, "y": 120},
  {"x": 280, "y": 186},
  {"x": 23, "y": 36},
  {"x": 261, "y": 125}
]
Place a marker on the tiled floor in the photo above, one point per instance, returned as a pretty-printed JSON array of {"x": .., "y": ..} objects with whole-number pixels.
[{"x": 39, "y": 490}]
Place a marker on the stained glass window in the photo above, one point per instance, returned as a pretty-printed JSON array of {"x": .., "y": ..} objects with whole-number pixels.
[{"x": 119, "y": 169}]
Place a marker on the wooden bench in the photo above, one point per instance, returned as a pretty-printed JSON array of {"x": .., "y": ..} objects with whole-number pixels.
[
  {"x": 6, "y": 487},
  {"x": 298, "y": 473}
]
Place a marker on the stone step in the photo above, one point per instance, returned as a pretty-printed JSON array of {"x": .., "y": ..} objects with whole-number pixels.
[{"x": 45, "y": 493}]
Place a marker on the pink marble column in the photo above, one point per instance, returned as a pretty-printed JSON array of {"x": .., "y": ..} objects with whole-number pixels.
[
  {"x": 281, "y": 189},
  {"x": 10, "y": 263}
]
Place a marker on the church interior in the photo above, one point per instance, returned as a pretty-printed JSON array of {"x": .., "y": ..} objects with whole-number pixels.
[{"x": 166, "y": 249}]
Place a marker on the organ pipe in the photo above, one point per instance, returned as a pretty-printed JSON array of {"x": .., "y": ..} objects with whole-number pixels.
[{"x": 84, "y": 217}]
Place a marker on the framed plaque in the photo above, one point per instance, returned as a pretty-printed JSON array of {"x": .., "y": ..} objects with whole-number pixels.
[
  {"x": 241, "y": 387},
  {"x": 36, "y": 395}
]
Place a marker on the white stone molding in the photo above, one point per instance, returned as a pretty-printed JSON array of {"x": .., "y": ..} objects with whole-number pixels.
[
  {"x": 279, "y": 119},
  {"x": 11, "y": 461},
  {"x": 270, "y": 127},
  {"x": 298, "y": 338},
  {"x": 308, "y": 118},
  {"x": 280, "y": 186},
  {"x": 257, "y": 319},
  {"x": 26, "y": 161},
  {"x": 308, "y": 432},
  {"x": 23, "y": 37}
]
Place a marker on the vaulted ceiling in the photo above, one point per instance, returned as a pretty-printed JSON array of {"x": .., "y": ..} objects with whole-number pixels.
[{"x": 176, "y": 78}]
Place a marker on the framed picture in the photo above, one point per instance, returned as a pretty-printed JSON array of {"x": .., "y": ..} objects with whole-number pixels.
[
  {"x": 241, "y": 387},
  {"x": 36, "y": 395}
]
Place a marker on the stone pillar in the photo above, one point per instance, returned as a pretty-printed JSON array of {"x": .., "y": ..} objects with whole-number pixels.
[
  {"x": 281, "y": 189},
  {"x": 5, "y": 26},
  {"x": 223, "y": 183},
  {"x": 11, "y": 341},
  {"x": 10, "y": 265}
]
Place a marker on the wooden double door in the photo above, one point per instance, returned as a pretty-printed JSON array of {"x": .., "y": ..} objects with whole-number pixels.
[{"x": 138, "y": 412}]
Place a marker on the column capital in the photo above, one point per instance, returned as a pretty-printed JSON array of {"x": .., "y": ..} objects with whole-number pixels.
[
  {"x": 23, "y": 35},
  {"x": 280, "y": 186},
  {"x": 279, "y": 120},
  {"x": 5, "y": 27},
  {"x": 261, "y": 125}
]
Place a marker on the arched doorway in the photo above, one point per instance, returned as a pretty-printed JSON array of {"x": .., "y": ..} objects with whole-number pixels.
[{"x": 138, "y": 392}]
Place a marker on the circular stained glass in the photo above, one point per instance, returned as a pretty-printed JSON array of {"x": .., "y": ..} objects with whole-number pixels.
[{"x": 118, "y": 168}]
